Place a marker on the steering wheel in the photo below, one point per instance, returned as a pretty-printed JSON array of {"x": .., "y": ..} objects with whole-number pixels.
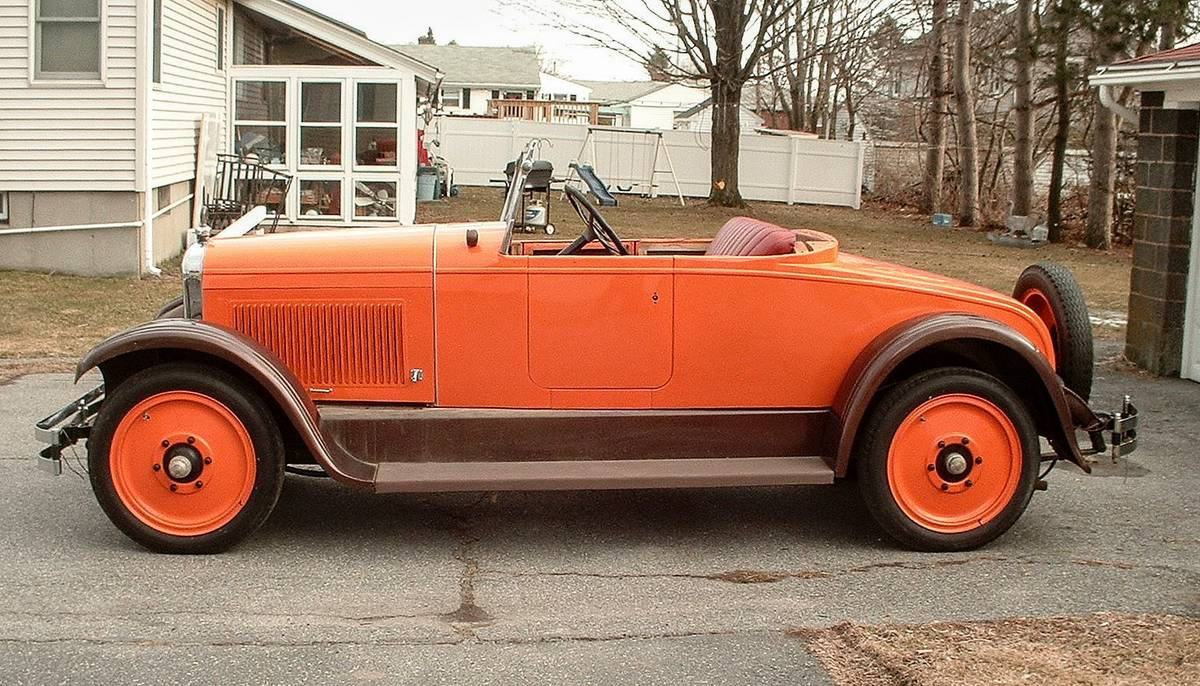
[{"x": 595, "y": 228}]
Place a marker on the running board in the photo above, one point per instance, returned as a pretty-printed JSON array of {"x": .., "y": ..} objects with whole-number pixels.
[{"x": 432, "y": 477}]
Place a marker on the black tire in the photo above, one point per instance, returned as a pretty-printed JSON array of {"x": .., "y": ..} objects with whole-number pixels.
[
  {"x": 1072, "y": 329},
  {"x": 172, "y": 309},
  {"x": 245, "y": 404},
  {"x": 881, "y": 427}
]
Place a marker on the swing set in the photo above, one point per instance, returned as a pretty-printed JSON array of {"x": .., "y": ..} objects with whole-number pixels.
[{"x": 631, "y": 164}]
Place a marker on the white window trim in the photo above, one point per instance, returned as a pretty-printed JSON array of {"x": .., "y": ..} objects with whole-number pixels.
[
  {"x": 349, "y": 172},
  {"x": 376, "y": 125},
  {"x": 3, "y": 206},
  {"x": 340, "y": 125},
  {"x": 458, "y": 101},
  {"x": 289, "y": 152},
  {"x": 68, "y": 82}
]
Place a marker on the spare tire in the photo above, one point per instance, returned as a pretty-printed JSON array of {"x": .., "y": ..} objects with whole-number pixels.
[
  {"x": 1051, "y": 291},
  {"x": 171, "y": 309}
]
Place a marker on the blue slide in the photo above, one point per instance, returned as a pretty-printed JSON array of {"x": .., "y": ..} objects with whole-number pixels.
[{"x": 595, "y": 185}]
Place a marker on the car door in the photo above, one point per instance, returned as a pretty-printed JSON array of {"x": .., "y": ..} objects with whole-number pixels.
[{"x": 600, "y": 322}]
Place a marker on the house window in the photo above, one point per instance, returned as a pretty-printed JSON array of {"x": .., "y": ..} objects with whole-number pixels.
[
  {"x": 452, "y": 97},
  {"x": 321, "y": 123},
  {"x": 4, "y": 207},
  {"x": 466, "y": 98},
  {"x": 495, "y": 95},
  {"x": 514, "y": 95},
  {"x": 320, "y": 198},
  {"x": 220, "y": 39},
  {"x": 376, "y": 126},
  {"x": 158, "y": 23},
  {"x": 67, "y": 39},
  {"x": 375, "y": 199},
  {"x": 260, "y": 120}
]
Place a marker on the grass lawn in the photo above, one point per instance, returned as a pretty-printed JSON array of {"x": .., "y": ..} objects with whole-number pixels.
[{"x": 54, "y": 315}]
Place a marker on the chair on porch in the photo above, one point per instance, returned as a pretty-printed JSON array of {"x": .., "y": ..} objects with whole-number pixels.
[{"x": 241, "y": 184}]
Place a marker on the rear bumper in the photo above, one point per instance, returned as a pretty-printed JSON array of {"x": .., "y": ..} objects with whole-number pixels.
[
  {"x": 65, "y": 427},
  {"x": 1115, "y": 433}
]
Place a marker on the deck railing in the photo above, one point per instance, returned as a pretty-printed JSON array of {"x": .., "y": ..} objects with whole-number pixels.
[{"x": 554, "y": 111}]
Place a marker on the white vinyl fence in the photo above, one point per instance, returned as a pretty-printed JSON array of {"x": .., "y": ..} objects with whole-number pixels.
[{"x": 787, "y": 169}]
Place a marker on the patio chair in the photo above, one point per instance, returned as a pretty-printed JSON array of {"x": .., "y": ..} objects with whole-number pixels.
[{"x": 241, "y": 184}]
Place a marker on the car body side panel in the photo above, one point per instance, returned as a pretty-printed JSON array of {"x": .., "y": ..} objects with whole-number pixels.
[
  {"x": 350, "y": 312},
  {"x": 600, "y": 324},
  {"x": 772, "y": 334}
]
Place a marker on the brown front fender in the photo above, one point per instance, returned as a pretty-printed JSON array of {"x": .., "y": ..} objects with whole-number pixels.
[
  {"x": 956, "y": 339},
  {"x": 172, "y": 340}
]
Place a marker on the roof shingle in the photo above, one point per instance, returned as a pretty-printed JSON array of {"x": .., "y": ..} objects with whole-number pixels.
[{"x": 472, "y": 65}]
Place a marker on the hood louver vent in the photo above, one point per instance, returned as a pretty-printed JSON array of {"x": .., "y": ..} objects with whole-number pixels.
[{"x": 331, "y": 345}]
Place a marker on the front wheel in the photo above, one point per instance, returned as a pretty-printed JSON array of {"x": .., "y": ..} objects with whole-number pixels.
[
  {"x": 185, "y": 459},
  {"x": 949, "y": 459}
]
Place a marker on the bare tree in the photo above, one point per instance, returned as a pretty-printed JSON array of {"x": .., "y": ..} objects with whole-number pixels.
[
  {"x": 968, "y": 136},
  {"x": 719, "y": 42},
  {"x": 1064, "y": 13},
  {"x": 1024, "y": 57},
  {"x": 935, "y": 122}
]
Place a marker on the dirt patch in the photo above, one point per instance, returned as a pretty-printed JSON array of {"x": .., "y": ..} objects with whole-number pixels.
[
  {"x": 1100, "y": 649},
  {"x": 878, "y": 231},
  {"x": 751, "y": 576},
  {"x": 11, "y": 369}
]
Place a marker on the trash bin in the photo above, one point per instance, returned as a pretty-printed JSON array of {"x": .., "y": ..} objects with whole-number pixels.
[{"x": 427, "y": 183}]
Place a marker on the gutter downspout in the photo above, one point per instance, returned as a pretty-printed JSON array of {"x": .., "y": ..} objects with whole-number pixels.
[
  {"x": 1125, "y": 113},
  {"x": 145, "y": 113}
]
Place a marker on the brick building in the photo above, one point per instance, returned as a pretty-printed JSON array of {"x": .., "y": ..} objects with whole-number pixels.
[{"x": 1164, "y": 302}]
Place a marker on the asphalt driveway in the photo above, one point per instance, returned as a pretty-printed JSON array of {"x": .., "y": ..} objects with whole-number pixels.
[{"x": 602, "y": 587}]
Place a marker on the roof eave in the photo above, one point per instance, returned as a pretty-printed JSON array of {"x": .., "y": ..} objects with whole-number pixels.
[
  {"x": 1148, "y": 73},
  {"x": 343, "y": 36}
]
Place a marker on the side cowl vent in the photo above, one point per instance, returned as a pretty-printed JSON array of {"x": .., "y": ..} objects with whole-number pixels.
[{"x": 334, "y": 345}]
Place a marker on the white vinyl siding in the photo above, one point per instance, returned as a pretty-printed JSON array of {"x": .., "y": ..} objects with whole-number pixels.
[
  {"x": 192, "y": 84},
  {"x": 65, "y": 136}
]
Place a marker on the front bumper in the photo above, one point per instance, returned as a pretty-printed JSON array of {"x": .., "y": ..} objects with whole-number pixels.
[{"x": 66, "y": 426}]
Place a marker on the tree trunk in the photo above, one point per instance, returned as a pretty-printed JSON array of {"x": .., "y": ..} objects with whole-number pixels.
[
  {"x": 1022, "y": 191},
  {"x": 968, "y": 137},
  {"x": 726, "y": 139},
  {"x": 1098, "y": 232},
  {"x": 1062, "y": 122},
  {"x": 935, "y": 121}
]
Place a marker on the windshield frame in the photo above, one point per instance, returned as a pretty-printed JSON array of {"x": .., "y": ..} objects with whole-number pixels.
[{"x": 516, "y": 189}]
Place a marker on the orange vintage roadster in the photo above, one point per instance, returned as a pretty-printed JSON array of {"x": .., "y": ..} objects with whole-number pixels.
[{"x": 451, "y": 358}]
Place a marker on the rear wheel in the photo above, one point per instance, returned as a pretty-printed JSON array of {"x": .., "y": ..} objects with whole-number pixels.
[
  {"x": 185, "y": 459},
  {"x": 949, "y": 460}
]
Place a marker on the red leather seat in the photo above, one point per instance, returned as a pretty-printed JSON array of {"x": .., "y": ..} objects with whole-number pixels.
[{"x": 746, "y": 237}]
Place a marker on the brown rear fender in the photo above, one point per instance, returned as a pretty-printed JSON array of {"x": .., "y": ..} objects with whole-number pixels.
[
  {"x": 954, "y": 340},
  {"x": 185, "y": 340}
]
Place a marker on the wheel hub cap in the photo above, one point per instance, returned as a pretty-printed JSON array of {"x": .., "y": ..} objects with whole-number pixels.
[
  {"x": 956, "y": 464},
  {"x": 183, "y": 463}
]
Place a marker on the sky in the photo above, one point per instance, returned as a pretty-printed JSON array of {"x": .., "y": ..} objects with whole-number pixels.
[{"x": 479, "y": 22}]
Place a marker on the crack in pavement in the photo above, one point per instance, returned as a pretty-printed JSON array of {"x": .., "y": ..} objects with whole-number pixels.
[
  {"x": 473, "y": 639},
  {"x": 469, "y": 615},
  {"x": 749, "y": 576}
]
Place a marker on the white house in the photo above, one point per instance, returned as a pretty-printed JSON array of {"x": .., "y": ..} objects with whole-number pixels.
[
  {"x": 700, "y": 118},
  {"x": 475, "y": 75},
  {"x": 100, "y": 104},
  {"x": 644, "y": 104}
]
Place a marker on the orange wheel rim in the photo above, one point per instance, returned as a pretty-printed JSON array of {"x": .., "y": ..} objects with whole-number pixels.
[
  {"x": 168, "y": 434},
  {"x": 1040, "y": 304},
  {"x": 954, "y": 463}
]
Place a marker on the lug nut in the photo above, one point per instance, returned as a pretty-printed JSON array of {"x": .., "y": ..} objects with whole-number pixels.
[
  {"x": 191, "y": 439},
  {"x": 174, "y": 487},
  {"x": 965, "y": 440},
  {"x": 945, "y": 487},
  {"x": 978, "y": 460},
  {"x": 166, "y": 443},
  {"x": 928, "y": 467},
  {"x": 208, "y": 460},
  {"x": 941, "y": 444},
  {"x": 156, "y": 466},
  {"x": 970, "y": 483},
  {"x": 199, "y": 484}
]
